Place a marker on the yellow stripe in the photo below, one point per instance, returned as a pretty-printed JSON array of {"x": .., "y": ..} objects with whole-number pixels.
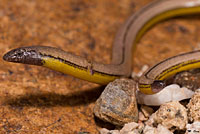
[
  {"x": 166, "y": 15},
  {"x": 146, "y": 89},
  {"x": 178, "y": 68},
  {"x": 153, "y": 21},
  {"x": 85, "y": 74}
]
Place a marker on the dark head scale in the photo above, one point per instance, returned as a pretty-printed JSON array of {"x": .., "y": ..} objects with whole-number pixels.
[{"x": 25, "y": 55}]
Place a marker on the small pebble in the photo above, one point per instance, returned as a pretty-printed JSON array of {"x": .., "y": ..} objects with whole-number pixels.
[
  {"x": 159, "y": 130},
  {"x": 129, "y": 128},
  {"x": 194, "y": 107},
  {"x": 106, "y": 131},
  {"x": 170, "y": 93},
  {"x": 142, "y": 117},
  {"x": 117, "y": 103},
  {"x": 139, "y": 74},
  {"x": 147, "y": 111},
  {"x": 193, "y": 128},
  {"x": 171, "y": 115},
  {"x": 189, "y": 79}
]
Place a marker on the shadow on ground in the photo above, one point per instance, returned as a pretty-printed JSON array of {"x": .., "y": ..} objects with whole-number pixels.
[{"x": 52, "y": 99}]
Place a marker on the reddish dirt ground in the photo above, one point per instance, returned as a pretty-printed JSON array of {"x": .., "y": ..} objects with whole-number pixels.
[{"x": 38, "y": 100}]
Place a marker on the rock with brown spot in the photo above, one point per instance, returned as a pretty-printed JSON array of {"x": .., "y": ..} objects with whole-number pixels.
[
  {"x": 159, "y": 130},
  {"x": 194, "y": 107},
  {"x": 172, "y": 115},
  {"x": 189, "y": 79},
  {"x": 117, "y": 104}
]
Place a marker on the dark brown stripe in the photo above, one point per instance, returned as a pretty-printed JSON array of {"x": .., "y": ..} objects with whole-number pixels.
[
  {"x": 74, "y": 65},
  {"x": 141, "y": 86}
]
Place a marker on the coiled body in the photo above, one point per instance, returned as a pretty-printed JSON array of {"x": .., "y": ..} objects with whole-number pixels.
[{"x": 123, "y": 48}]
